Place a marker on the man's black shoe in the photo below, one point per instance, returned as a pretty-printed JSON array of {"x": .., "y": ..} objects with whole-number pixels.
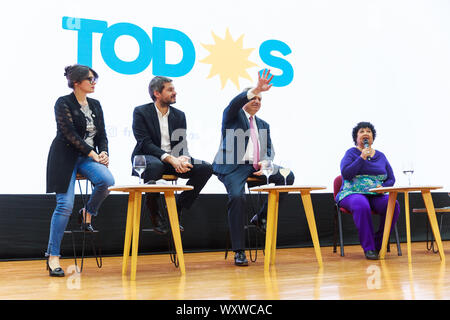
[
  {"x": 158, "y": 223},
  {"x": 260, "y": 223},
  {"x": 240, "y": 259}
]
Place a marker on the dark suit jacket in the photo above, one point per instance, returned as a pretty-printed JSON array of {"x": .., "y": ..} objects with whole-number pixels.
[
  {"x": 147, "y": 132},
  {"x": 234, "y": 141},
  {"x": 69, "y": 141}
]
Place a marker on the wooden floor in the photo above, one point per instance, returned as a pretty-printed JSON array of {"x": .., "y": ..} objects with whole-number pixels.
[{"x": 208, "y": 276}]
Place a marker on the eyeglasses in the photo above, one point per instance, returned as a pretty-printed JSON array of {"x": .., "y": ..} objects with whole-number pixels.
[{"x": 91, "y": 80}]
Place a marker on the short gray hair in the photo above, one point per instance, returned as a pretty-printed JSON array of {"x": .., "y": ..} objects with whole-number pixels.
[{"x": 157, "y": 84}]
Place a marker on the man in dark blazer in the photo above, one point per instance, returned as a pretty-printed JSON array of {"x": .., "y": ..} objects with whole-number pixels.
[
  {"x": 245, "y": 145},
  {"x": 160, "y": 132}
]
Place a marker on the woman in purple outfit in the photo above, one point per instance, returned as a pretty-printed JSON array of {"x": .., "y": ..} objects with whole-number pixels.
[{"x": 364, "y": 168}]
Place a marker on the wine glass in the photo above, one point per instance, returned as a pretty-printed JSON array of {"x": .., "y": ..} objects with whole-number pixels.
[
  {"x": 139, "y": 165},
  {"x": 267, "y": 168},
  {"x": 284, "y": 170},
  {"x": 408, "y": 170}
]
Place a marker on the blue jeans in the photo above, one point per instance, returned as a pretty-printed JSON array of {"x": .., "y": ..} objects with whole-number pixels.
[{"x": 100, "y": 177}]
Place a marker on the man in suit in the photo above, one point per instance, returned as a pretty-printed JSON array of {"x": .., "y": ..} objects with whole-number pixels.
[
  {"x": 160, "y": 132},
  {"x": 245, "y": 145}
]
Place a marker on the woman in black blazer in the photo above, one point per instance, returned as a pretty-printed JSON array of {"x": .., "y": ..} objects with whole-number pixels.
[{"x": 80, "y": 146}]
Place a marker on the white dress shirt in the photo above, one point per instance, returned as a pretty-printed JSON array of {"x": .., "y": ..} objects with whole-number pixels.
[
  {"x": 248, "y": 156},
  {"x": 164, "y": 128}
]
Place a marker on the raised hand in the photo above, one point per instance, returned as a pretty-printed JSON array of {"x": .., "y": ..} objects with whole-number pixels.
[{"x": 263, "y": 82}]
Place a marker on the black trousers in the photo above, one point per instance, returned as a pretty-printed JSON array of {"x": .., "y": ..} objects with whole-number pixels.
[
  {"x": 235, "y": 184},
  {"x": 197, "y": 177}
]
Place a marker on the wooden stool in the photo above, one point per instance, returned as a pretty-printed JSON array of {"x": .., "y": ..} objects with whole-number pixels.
[
  {"x": 430, "y": 242},
  {"x": 272, "y": 219},
  {"x": 133, "y": 221},
  {"x": 172, "y": 253},
  {"x": 248, "y": 226},
  {"x": 428, "y": 200},
  {"x": 98, "y": 257}
]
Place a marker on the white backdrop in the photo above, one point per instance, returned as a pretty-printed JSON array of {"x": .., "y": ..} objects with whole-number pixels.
[{"x": 387, "y": 62}]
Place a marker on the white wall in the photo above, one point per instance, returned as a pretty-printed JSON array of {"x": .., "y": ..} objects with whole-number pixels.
[{"x": 387, "y": 62}]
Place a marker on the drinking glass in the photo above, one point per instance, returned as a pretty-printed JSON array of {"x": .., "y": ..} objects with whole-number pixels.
[
  {"x": 408, "y": 170},
  {"x": 139, "y": 165},
  {"x": 267, "y": 168},
  {"x": 284, "y": 170}
]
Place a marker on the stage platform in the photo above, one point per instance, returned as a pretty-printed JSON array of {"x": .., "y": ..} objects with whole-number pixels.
[
  {"x": 296, "y": 276},
  {"x": 25, "y": 221}
]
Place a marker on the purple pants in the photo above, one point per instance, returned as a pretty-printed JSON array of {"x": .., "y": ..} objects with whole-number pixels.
[{"x": 361, "y": 205}]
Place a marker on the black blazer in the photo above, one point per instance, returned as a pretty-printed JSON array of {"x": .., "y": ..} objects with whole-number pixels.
[
  {"x": 147, "y": 132},
  {"x": 232, "y": 148},
  {"x": 69, "y": 141}
]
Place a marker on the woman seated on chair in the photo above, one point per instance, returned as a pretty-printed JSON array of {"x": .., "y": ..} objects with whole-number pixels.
[
  {"x": 80, "y": 146},
  {"x": 364, "y": 168}
]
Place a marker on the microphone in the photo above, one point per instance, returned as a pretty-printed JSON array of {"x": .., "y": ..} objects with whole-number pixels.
[{"x": 366, "y": 145}]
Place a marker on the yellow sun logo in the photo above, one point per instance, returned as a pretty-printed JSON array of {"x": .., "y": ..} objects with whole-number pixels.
[{"x": 228, "y": 59}]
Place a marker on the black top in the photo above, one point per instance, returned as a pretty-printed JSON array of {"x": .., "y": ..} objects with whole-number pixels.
[{"x": 69, "y": 141}]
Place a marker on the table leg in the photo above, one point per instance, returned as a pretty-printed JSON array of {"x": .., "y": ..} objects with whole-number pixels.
[
  {"x": 307, "y": 204},
  {"x": 408, "y": 227},
  {"x": 271, "y": 207},
  {"x": 275, "y": 229},
  {"x": 136, "y": 226},
  {"x": 175, "y": 226},
  {"x": 128, "y": 232},
  {"x": 426, "y": 195},
  {"x": 388, "y": 222}
]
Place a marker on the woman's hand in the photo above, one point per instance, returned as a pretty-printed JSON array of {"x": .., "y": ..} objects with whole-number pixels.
[
  {"x": 94, "y": 156},
  {"x": 366, "y": 152},
  {"x": 104, "y": 158}
]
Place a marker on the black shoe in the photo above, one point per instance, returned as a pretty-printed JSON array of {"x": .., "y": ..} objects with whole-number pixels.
[
  {"x": 84, "y": 226},
  {"x": 58, "y": 272},
  {"x": 240, "y": 259},
  {"x": 371, "y": 255},
  {"x": 260, "y": 223},
  {"x": 87, "y": 227},
  {"x": 158, "y": 223}
]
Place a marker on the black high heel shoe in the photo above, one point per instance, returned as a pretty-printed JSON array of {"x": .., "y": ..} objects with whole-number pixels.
[
  {"x": 81, "y": 220},
  {"x": 58, "y": 272},
  {"x": 87, "y": 227}
]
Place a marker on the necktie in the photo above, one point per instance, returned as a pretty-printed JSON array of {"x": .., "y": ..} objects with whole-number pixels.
[{"x": 255, "y": 144}]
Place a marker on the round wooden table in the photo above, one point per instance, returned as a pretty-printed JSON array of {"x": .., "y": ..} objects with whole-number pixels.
[
  {"x": 134, "y": 217},
  {"x": 426, "y": 195},
  {"x": 272, "y": 218}
]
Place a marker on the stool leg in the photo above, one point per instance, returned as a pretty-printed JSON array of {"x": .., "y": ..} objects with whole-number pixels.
[
  {"x": 227, "y": 244},
  {"x": 173, "y": 218},
  {"x": 136, "y": 223},
  {"x": 341, "y": 232},
  {"x": 408, "y": 227},
  {"x": 128, "y": 232},
  {"x": 307, "y": 204},
  {"x": 271, "y": 203},
  {"x": 275, "y": 229},
  {"x": 397, "y": 239},
  {"x": 426, "y": 195},
  {"x": 98, "y": 257},
  {"x": 74, "y": 251},
  {"x": 388, "y": 223}
]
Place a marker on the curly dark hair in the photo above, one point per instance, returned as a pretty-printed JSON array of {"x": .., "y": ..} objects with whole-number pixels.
[
  {"x": 361, "y": 125},
  {"x": 77, "y": 73}
]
